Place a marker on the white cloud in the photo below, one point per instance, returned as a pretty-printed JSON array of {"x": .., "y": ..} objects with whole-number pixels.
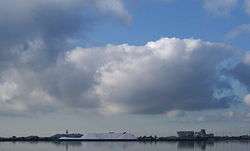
[
  {"x": 21, "y": 92},
  {"x": 114, "y": 7},
  {"x": 7, "y": 91},
  {"x": 238, "y": 31},
  {"x": 220, "y": 7},
  {"x": 247, "y": 99}
]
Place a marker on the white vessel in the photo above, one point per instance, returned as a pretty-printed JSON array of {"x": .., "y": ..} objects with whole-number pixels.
[{"x": 111, "y": 136}]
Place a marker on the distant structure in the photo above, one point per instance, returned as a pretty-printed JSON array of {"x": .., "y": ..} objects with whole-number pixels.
[
  {"x": 67, "y": 134},
  {"x": 185, "y": 134},
  {"x": 202, "y": 133},
  {"x": 191, "y": 134}
]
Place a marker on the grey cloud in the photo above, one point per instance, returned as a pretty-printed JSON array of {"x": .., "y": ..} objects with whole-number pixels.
[
  {"x": 21, "y": 92},
  {"x": 51, "y": 22},
  {"x": 34, "y": 35},
  {"x": 70, "y": 86},
  {"x": 160, "y": 77},
  {"x": 170, "y": 74},
  {"x": 242, "y": 70},
  {"x": 166, "y": 75}
]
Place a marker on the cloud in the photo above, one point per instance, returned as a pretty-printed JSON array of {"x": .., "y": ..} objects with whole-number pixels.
[
  {"x": 223, "y": 7},
  {"x": 246, "y": 59},
  {"x": 242, "y": 70},
  {"x": 21, "y": 92},
  {"x": 175, "y": 113},
  {"x": 164, "y": 76},
  {"x": 41, "y": 73},
  {"x": 167, "y": 75},
  {"x": 220, "y": 7},
  {"x": 228, "y": 115},
  {"x": 114, "y": 6},
  {"x": 247, "y": 6},
  {"x": 247, "y": 99},
  {"x": 52, "y": 23},
  {"x": 34, "y": 36},
  {"x": 238, "y": 31}
]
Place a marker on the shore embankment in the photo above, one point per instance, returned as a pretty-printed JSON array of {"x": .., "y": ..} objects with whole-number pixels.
[{"x": 139, "y": 139}]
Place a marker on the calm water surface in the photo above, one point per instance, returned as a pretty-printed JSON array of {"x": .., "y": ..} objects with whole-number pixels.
[{"x": 126, "y": 146}]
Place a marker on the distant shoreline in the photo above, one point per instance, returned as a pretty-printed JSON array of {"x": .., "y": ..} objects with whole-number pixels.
[
  {"x": 139, "y": 139},
  {"x": 127, "y": 137}
]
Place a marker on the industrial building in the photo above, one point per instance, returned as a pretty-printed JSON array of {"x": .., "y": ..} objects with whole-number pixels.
[{"x": 191, "y": 134}]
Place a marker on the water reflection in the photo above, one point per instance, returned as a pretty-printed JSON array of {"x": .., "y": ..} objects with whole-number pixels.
[
  {"x": 202, "y": 145},
  {"x": 90, "y": 145},
  {"x": 126, "y": 146},
  {"x": 68, "y": 144},
  {"x": 184, "y": 145}
]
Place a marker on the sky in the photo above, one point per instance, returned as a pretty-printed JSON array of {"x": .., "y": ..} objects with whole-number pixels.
[{"x": 144, "y": 66}]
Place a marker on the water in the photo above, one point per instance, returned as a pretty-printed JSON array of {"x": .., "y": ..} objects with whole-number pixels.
[{"x": 126, "y": 146}]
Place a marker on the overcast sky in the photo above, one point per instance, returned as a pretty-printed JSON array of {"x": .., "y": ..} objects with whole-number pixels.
[{"x": 144, "y": 66}]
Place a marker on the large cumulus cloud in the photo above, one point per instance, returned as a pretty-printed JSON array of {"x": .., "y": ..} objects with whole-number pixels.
[
  {"x": 166, "y": 75},
  {"x": 162, "y": 76}
]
